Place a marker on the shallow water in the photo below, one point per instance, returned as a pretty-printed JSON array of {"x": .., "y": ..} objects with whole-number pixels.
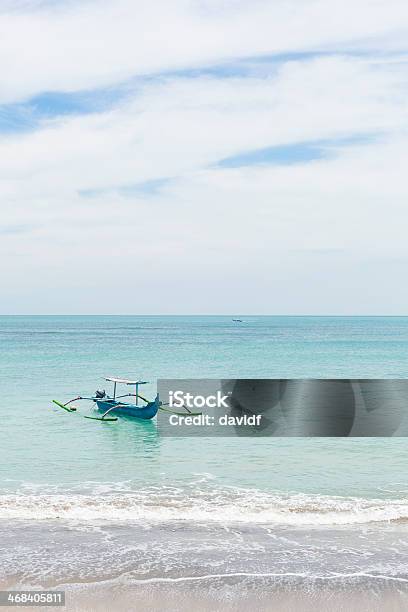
[{"x": 74, "y": 492}]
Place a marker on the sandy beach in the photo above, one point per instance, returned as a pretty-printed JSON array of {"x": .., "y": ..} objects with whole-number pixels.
[{"x": 180, "y": 566}]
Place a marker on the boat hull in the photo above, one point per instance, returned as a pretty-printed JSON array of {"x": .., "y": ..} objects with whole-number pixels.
[{"x": 146, "y": 412}]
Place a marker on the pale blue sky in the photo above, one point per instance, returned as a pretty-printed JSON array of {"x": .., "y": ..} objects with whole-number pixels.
[{"x": 234, "y": 156}]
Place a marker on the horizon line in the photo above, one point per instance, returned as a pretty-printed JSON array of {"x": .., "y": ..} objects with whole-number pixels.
[{"x": 197, "y": 315}]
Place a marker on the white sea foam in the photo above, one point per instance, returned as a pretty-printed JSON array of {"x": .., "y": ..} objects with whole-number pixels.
[{"x": 200, "y": 505}]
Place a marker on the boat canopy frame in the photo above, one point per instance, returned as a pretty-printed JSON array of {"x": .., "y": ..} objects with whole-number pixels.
[{"x": 125, "y": 381}]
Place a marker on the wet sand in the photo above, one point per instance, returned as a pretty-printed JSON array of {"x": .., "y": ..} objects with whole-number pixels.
[
  {"x": 180, "y": 567},
  {"x": 229, "y": 596}
]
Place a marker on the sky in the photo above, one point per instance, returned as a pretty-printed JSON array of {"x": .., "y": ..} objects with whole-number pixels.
[{"x": 204, "y": 157}]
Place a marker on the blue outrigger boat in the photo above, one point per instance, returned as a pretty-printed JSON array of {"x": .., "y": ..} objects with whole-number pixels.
[
  {"x": 114, "y": 405},
  {"x": 110, "y": 406}
]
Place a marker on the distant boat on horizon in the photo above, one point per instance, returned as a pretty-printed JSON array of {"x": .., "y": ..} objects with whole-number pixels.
[{"x": 237, "y": 320}]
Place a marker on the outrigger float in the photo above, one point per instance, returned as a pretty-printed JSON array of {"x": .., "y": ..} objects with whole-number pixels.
[{"x": 111, "y": 406}]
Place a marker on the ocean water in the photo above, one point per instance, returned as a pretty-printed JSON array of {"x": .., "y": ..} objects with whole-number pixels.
[{"x": 83, "y": 502}]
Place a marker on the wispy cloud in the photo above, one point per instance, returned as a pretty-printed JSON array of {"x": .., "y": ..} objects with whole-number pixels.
[
  {"x": 297, "y": 153},
  {"x": 213, "y": 155},
  {"x": 145, "y": 188},
  {"x": 35, "y": 112},
  {"x": 289, "y": 154},
  {"x": 72, "y": 46}
]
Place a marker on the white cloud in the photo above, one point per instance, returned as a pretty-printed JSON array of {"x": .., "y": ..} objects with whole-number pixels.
[
  {"x": 270, "y": 238},
  {"x": 83, "y": 45},
  {"x": 182, "y": 125}
]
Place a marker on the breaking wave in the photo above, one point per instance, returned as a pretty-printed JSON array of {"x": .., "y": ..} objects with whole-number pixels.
[{"x": 199, "y": 504}]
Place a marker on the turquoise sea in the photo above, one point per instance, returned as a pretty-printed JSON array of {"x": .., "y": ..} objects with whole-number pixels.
[{"x": 91, "y": 503}]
